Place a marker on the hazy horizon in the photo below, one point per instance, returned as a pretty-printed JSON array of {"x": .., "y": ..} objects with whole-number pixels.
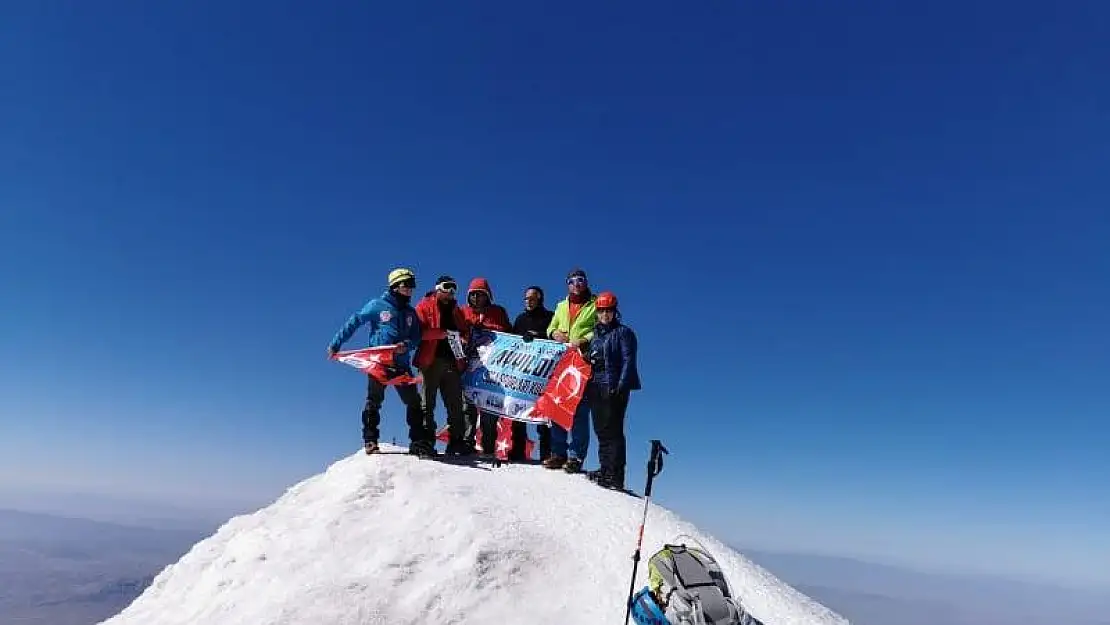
[
  {"x": 109, "y": 564},
  {"x": 166, "y": 514}
]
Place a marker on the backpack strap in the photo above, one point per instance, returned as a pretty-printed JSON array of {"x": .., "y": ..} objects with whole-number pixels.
[{"x": 688, "y": 569}]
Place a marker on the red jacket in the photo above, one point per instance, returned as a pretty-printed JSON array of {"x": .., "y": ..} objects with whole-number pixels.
[
  {"x": 494, "y": 317},
  {"x": 431, "y": 330}
]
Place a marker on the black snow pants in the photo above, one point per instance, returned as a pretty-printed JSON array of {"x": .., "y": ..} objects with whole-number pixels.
[
  {"x": 544, "y": 432},
  {"x": 608, "y": 415},
  {"x": 420, "y": 429},
  {"x": 443, "y": 377}
]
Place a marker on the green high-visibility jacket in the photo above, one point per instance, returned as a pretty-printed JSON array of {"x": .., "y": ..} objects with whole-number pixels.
[{"x": 583, "y": 327}]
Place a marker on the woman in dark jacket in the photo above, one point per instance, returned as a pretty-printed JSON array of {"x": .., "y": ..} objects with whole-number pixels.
[{"x": 612, "y": 355}]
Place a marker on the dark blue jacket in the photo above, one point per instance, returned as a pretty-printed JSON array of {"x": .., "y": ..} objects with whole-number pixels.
[
  {"x": 614, "y": 348},
  {"x": 390, "y": 322}
]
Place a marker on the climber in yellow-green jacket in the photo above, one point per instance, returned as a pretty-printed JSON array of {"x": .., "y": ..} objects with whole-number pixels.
[{"x": 573, "y": 323}]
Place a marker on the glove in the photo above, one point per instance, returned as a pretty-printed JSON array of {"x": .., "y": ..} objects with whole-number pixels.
[{"x": 528, "y": 338}]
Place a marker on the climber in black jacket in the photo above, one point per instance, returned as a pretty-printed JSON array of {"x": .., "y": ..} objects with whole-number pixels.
[{"x": 532, "y": 324}]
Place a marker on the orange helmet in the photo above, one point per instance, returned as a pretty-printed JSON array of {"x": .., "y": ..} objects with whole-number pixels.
[{"x": 606, "y": 299}]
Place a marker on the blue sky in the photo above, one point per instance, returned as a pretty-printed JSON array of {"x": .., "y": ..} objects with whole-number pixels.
[{"x": 864, "y": 248}]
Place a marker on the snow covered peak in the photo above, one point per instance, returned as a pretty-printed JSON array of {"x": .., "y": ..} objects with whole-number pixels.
[{"x": 392, "y": 539}]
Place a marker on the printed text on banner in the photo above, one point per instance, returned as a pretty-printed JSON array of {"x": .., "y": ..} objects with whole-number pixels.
[{"x": 510, "y": 374}]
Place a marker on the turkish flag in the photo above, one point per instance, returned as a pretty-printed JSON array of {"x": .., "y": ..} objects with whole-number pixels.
[
  {"x": 504, "y": 442},
  {"x": 565, "y": 388},
  {"x": 377, "y": 362},
  {"x": 504, "y": 439},
  {"x": 504, "y": 445}
]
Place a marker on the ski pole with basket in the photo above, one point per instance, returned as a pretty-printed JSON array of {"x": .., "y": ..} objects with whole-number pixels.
[{"x": 654, "y": 468}]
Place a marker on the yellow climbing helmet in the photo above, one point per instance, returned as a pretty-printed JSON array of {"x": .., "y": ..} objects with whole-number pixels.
[{"x": 400, "y": 275}]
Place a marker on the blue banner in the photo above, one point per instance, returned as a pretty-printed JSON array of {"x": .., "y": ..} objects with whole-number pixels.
[{"x": 509, "y": 374}]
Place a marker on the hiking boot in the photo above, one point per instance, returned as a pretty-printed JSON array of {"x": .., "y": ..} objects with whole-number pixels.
[
  {"x": 607, "y": 480},
  {"x": 572, "y": 465},
  {"x": 617, "y": 486},
  {"x": 370, "y": 447},
  {"x": 554, "y": 462},
  {"x": 423, "y": 449},
  {"x": 458, "y": 448},
  {"x": 464, "y": 448}
]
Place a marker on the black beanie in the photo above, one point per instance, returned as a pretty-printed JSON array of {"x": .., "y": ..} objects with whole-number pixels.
[{"x": 442, "y": 279}]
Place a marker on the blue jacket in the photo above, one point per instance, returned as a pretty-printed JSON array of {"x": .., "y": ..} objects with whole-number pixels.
[
  {"x": 389, "y": 321},
  {"x": 614, "y": 348}
]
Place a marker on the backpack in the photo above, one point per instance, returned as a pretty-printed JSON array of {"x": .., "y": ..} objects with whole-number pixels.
[{"x": 689, "y": 587}]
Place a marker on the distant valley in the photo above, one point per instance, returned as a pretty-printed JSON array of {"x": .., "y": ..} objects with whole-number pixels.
[{"x": 56, "y": 570}]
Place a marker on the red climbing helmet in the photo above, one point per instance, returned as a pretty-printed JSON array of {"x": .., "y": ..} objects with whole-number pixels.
[{"x": 606, "y": 299}]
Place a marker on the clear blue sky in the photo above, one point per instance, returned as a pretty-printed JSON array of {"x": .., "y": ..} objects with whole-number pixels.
[{"x": 866, "y": 247}]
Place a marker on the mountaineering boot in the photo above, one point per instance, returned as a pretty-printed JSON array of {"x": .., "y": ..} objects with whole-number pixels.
[
  {"x": 422, "y": 449},
  {"x": 370, "y": 447},
  {"x": 572, "y": 465},
  {"x": 554, "y": 462},
  {"x": 610, "y": 481},
  {"x": 605, "y": 479}
]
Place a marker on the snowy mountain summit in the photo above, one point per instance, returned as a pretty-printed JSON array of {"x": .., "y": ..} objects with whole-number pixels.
[{"x": 394, "y": 539}]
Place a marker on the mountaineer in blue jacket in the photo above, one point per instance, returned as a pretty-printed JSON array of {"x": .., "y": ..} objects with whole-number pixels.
[
  {"x": 612, "y": 356},
  {"x": 391, "y": 320}
]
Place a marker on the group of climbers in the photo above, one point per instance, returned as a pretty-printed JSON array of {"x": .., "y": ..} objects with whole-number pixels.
[{"x": 588, "y": 322}]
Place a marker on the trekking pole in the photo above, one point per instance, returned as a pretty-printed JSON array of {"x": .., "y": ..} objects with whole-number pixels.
[{"x": 654, "y": 467}]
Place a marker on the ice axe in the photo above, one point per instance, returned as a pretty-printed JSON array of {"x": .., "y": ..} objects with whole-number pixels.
[{"x": 654, "y": 467}]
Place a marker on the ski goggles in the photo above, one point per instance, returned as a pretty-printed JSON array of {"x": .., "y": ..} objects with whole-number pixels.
[
  {"x": 447, "y": 287},
  {"x": 576, "y": 280},
  {"x": 407, "y": 283}
]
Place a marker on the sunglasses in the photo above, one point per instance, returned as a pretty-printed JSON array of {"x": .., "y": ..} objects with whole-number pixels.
[
  {"x": 409, "y": 283},
  {"x": 606, "y": 310},
  {"x": 447, "y": 287}
]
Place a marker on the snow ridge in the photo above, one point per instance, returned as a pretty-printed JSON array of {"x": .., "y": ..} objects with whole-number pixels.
[{"x": 392, "y": 539}]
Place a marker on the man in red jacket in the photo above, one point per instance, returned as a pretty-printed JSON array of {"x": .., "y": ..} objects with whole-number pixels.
[
  {"x": 481, "y": 312},
  {"x": 441, "y": 367}
]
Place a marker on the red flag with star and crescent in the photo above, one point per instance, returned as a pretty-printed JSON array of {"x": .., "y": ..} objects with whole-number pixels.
[
  {"x": 565, "y": 389},
  {"x": 503, "y": 445},
  {"x": 377, "y": 362}
]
